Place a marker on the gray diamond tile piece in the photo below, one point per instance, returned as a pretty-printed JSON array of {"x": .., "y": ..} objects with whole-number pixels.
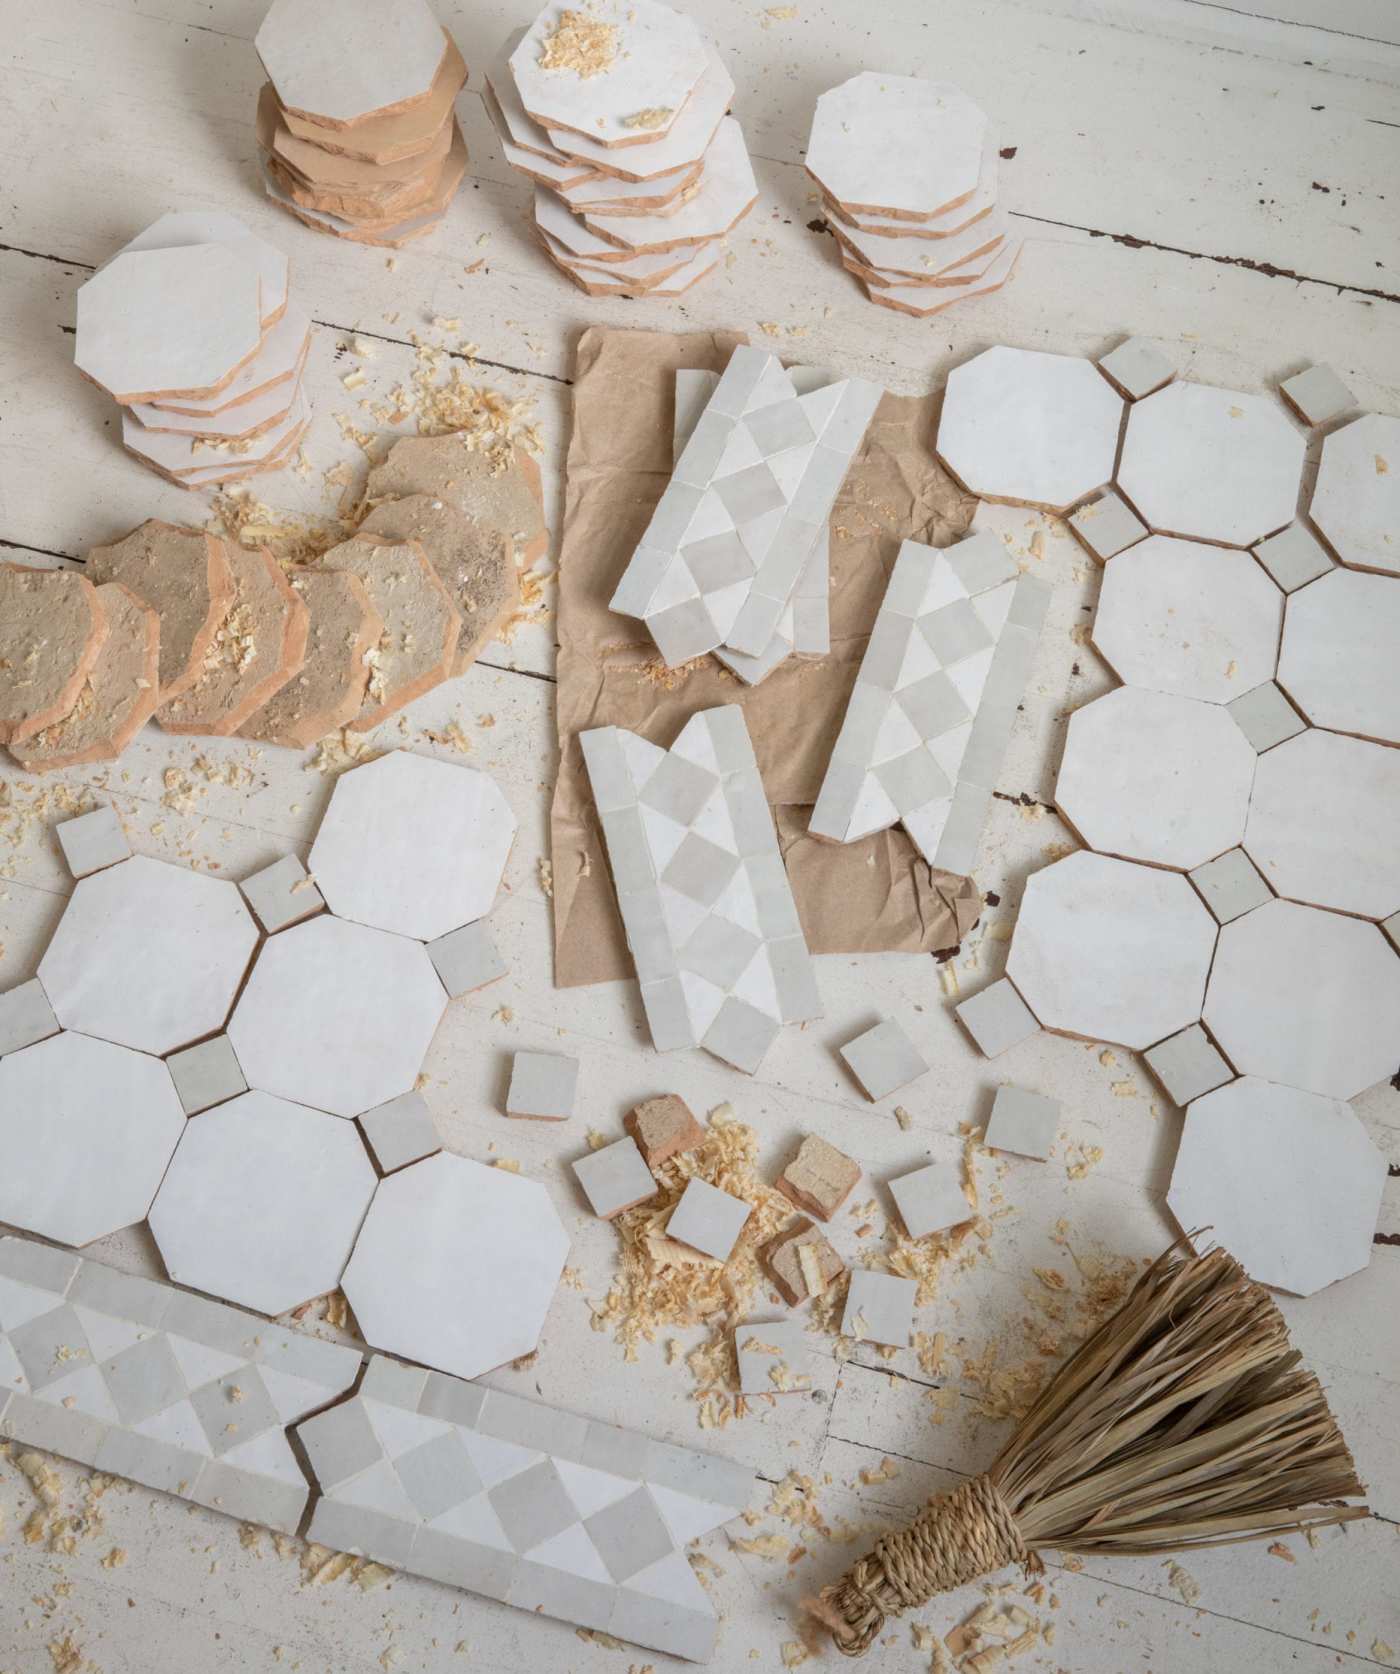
[
  {"x": 630, "y": 1534},
  {"x": 533, "y": 1506}
]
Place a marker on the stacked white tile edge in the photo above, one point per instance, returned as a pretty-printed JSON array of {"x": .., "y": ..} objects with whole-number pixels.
[
  {"x": 704, "y": 895},
  {"x": 522, "y": 1503},
  {"x": 720, "y": 561},
  {"x": 930, "y": 715}
]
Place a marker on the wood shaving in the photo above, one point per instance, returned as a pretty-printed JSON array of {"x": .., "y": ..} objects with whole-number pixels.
[
  {"x": 654, "y": 116},
  {"x": 579, "y": 44},
  {"x": 1183, "y": 1582}
]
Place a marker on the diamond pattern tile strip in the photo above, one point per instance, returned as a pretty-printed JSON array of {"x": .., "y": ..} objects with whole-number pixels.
[
  {"x": 522, "y": 1503},
  {"x": 931, "y": 712},
  {"x": 721, "y": 557},
  {"x": 151, "y": 1383},
  {"x": 705, "y": 898}
]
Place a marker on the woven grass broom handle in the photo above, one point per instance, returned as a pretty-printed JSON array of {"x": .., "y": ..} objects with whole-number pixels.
[{"x": 961, "y": 1536}]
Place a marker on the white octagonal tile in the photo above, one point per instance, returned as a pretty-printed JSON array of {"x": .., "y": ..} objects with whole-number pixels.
[
  {"x": 1338, "y": 660},
  {"x": 1356, "y": 503},
  {"x": 343, "y": 59}
]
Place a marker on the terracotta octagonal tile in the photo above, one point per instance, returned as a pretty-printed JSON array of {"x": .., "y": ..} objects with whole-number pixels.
[
  {"x": 1356, "y": 503},
  {"x": 1111, "y": 951},
  {"x": 341, "y": 60},
  {"x": 1338, "y": 658},
  {"x": 1306, "y": 998}
]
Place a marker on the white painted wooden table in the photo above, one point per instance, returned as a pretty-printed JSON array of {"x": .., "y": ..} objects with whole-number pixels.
[{"x": 1219, "y": 177}]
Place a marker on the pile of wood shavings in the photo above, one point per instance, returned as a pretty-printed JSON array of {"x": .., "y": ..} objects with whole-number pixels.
[
  {"x": 581, "y": 44},
  {"x": 442, "y": 399}
]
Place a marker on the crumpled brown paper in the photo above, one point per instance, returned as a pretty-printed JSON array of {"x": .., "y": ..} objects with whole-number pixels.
[{"x": 877, "y": 895}]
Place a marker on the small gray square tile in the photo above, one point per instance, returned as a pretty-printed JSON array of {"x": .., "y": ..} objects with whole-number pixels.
[
  {"x": 533, "y": 1505},
  {"x": 931, "y": 1199},
  {"x": 954, "y": 632},
  {"x": 615, "y": 1177},
  {"x": 1293, "y": 557},
  {"x": 93, "y": 841},
  {"x": 543, "y": 1085},
  {"x": 437, "y": 1475},
  {"x": 1391, "y": 926},
  {"x": 400, "y": 1132},
  {"x": 708, "y": 1219},
  {"x": 934, "y": 705},
  {"x": 630, "y": 1534},
  {"x": 1265, "y": 716},
  {"x": 879, "y": 1308},
  {"x": 51, "y": 1346},
  {"x": 1137, "y": 367},
  {"x": 884, "y": 1059},
  {"x": 678, "y": 788},
  {"x": 700, "y": 869},
  {"x": 741, "y": 1034},
  {"x": 1108, "y": 526},
  {"x": 206, "y": 1075},
  {"x": 340, "y": 1443},
  {"x": 25, "y": 1017},
  {"x": 997, "y": 1018},
  {"x": 143, "y": 1380},
  {"x": 281, "y": 894},
  {"x": 1188, "y": 1065},
  {"x": 234, "y": 1408},
  {"x": 1023, "y": 1122},
  {"x": 1317, "y": 394},
  {"x": 466, "y": 959},
  {"x": 1230, "y": 886},
  {"x": 912, "y": 780}
]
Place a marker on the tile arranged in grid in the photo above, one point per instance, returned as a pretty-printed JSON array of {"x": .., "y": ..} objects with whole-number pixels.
[
  {"x": 400, "y": 1132},
  {"x": 1211, "y": 464},
  {"x": 1152, "y": 776},
  {"x": 522, "y": 1503},
  {"x": 1107, "y": 526},
  {"x": 1195, "y": 620},
  {"x": 188, "y": 936},
  {"x": 261, "y": 1202},
  {"x": 720, "y": 559},
  {"x": 773, "y": 1357},
  {"x": 1137, "y": 368},
  {"x": 1022, "y": 1122},
  {"x": 1293, "y": 557},
  {"x": 1337, "y": 661},
  {"x": 1033, "y": 428},
  {"x": 997, "y": 1019},
  {"x": 87, "y": 1129},
  {"x": 879, "y": 1308},
  {"x": 708, "y": 1219},
  {"x": 542, "y": 1085},
  {"x": 705, "y": 899},
  {"x": 93, "y": 841},
  {"x": 1230, "y": 886},
  {"x": 931, "y": 712},
  {"x": 1188, "y": 1064},
  {"x": 1356, "y": 501},
  {"x": 25, "y": 1016},
  {"x": 413, "y": 845},
  {"x": 884, "y": 1059},
  {"x": 931, "y": 1199},
  {"x": 170, "y": 1390},
  {"x": 466, "y": 959},
  {"x": 1288, "y": 1181},
  {"x": 206, "y": 1075},
  {"x": 282, "y": 894},
  {"x": 1262, "y": 1000},
  {"x": 430, "y": 1224},
  {"x": 615, "y": 1177},
  {"x": 1265, "y": 716},
  {"x": 336, "y": 1015},
  {"x": 1077, "y": 953},
  {"x": 1317, "y": 394},
  {"x": 1323, "y": 821}
]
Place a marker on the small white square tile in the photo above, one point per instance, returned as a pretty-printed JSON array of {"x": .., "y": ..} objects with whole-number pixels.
[
  {"x": 1265, "y": 716},
  {"x": 708, "y": 1219},
  {"x": 543, "y": 1085},
  {"x": 615, "y": 1177},
  {"x": 1188, "y": 1065},
  {"x": 25, "y": 1016},
  {"x": 1108, "y": 525},
  {"x": 1391, "y": 926},
  {"x": 93, "y": 841},
  {"x": 1022, "y": 1122},
  {"x": 1230, "y": 886},
  {"x": 879, "y": 1308},
  {"x": 1137, "y": 367},
  {"x": 1293, "y": 557},
  {"x": 931, "y": 1199},
  {"x": 281, "y": 894},
  {"x": 466, "y": 959},
  {"x": 1317, "y": 394},
  {"x": 997, "y": 1018},
  {"x": 883, "y": 1059},
  {"x": 206, "y": 1075},
  {"x": 400, "y": 1132},
  {"x": 773, "y": 1357}
]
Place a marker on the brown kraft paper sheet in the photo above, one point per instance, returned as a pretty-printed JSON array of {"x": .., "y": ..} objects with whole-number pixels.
[{"x": 874, "y": 896}]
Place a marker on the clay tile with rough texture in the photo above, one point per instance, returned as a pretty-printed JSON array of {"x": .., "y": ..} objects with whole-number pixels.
[
  {"x": 662, "y": 1127},
  {"x": 52, "y": 628},
  {"x": 819, "y": 1178}
]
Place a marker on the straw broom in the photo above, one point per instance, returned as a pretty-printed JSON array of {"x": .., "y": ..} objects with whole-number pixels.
[{"x": 1185, "y": 1421}]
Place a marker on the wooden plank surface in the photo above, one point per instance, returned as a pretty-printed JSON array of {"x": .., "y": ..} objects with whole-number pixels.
[{"x": 1219, "y": 177}]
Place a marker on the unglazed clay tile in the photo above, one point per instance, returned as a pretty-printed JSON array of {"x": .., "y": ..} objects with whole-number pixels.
[
  {"x": 261, "y": 1202},
  {"x": 337, "y": 62},
  {"x": 381, "y": 211},
  {"x": 1148, "y": 776},
  {"x": 206, "y": 1075},
  {"x": 1137, "y": 368},
  {"x": 1188, "y": 1065},
  {"x": 1077, "y": 953},
  {"x": 1032, "y": 428},
  {"x": 997, "y": 1019},
  {"x": 1293, "y": 557},
  {"x": 395, "y": 135},
  {"x": 618, "y": 74},
  {"x": 93, "y": 841},
  {"x": 542, "y": 1085},
  {"x": 1262, "y": 1007},
  {"x": 178, "y": 453},
  {"x": 466, "y": 960},
  {"x": 1337, "y": 659},
  {"x": 400, "y": 1132},
  {"x": 883, "y": 1059},
  {"x": 337, "y": 1016},
  {"x": 189, "y": 936},
  {"x": 1107, "y": 526},
  {"x": 314, "y": 166},
  {"x": 676, "y": 283},
  {"x": 819, "y": 1178},
  {"x": 384, "y": 235},
  {"x": 1322, "y": 823},
  {"x": 267, "y": 385},
  {"x": 472, "y": 480},
  {"x": 1230, "y": 886},
  {"x": 726, "y": 193},
  {"x": 879, "y": 1308},
  {"x": 282, "y": 894},
  {"x": 1316, "y": 395},
  {"x": 180, "y": 228},
  {"x": 609, "y": 196},
  {"x": 1194, "y": 620},
  {"x": 60, "y": 612},
  {"x": 88, "y": 1128},
  {"x": 926, "y": 258},
  {"x": 456, "y": 1265},
  {"x": 25, "y": 1016},
  {"x": 169, "y": 322},
  {"x": 1314, "y": 1183},
  {"x": 896, "y": 145},
  {"x": 1356, "y": 502},
  {"x": 663, "y": 1127},
  {"x": 268, "y": 414},
  {"x": 1023, "y": 1122},
  {"x": 641, "y": 273},
  {"x": 1265, "y": 716},
  {"x": 773, "y": 1357},
  {"x": 615, "y": 1177},
  {"x": 708, "y": 1219},
  {"x": 1211, "y": 464},
  {"x": 921, "y": 301}
]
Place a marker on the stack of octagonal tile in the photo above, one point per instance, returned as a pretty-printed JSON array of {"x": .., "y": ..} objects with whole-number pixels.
[
  {"x": 618, "y": 116},
  {"x": 355, "y": 125},
  {"x": 908, "y": 172},
  {"x": 190, "y": 329}
]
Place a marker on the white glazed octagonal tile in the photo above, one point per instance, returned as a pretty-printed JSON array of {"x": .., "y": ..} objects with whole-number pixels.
[
  {"x": 86, "y": 1129},
  {"x": 456, "y": 1265},
  {"x": 896, "y": 145},
  {"x": 262, "y": 1202},
  {"x": 148, "y": 955},
  {"x": 413, "y": 845},
  {"x": 1212, "y": 464},
  {"x": 1323, "y": 823},
  {"x": 1181, "y": 616},
  {"x": 1338, "y": 658},
  {"x": 1356, "y": 503},
  {"x": 337, "y": 1016},
  {"x": 1108, "y": 950},
  {"x": 1306, "y": 998},
  {"x": 343, "y": 59},
  {"x": 1287, "y": 1181},
  {"x": 1033, "y": 428},
  {"x": 1148, "y": 776}
]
